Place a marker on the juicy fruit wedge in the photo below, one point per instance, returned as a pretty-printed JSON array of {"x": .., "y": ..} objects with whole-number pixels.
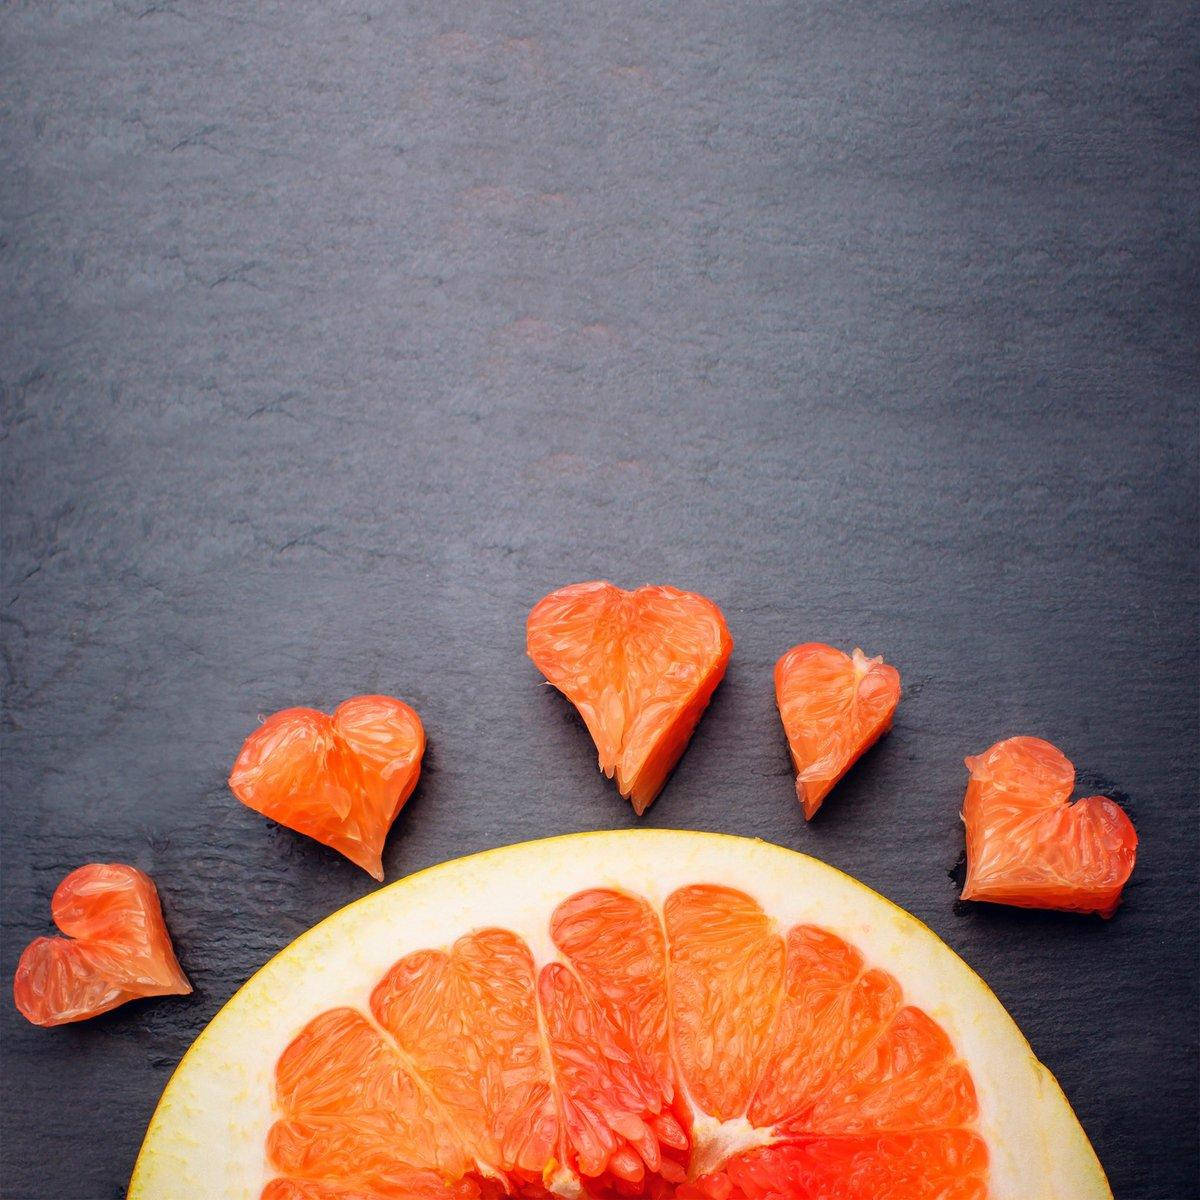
[
  {"x": 1029, "y": 846},
  {"x": 466, "y": 1020},
  {"x": 712, "y": 1019},
  {"x": 639, "y": 666},
  {"x": 116, "y": 948},
  {"x": 340, "y": 779},
  {"x": 834, "y": 707}
]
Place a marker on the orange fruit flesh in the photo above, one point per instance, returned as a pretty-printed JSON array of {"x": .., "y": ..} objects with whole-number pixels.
[
  {"x": 696, "y": 1052},
  {"x": 1029, "y": 846},
  {"x": 341, "y": 780},
  {"x": 834, "y": 707},
  {"x": 116, "y": 948},
  {"x": 946, "y": 1164},
  {"x": 640, "y": 667}
]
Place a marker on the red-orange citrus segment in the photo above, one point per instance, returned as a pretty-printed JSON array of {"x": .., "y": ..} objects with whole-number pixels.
[
  {"x": 711, "y": 1034},
  {"x": 640, "y": 667},
  {"x": 908, "y": 1078},
  {"x": 614, "y": 942},
  {"x": 341, "y": 780},
  {"x": 619, "y": 1135},
  {"x": 1029, "y": 846},
  {"x": 832, "y": 1008},
  {"x": 467, "y": 1021},
  {"x": 834, "y": 707},
  {"x": 725, "y": 980},
  {"x": 944, "y": 1165},
  {"x": 116, "y": 948},
  {"x": 353, "y": 1111}
]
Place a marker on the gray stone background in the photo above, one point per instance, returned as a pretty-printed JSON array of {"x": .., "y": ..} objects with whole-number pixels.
[{"x": 335, "y": 334}]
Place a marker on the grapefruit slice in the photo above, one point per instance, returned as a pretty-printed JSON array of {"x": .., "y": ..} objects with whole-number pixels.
[
  {"x": 340, "y": 779},
  {"x": 1029, "y": 846},
  {"x": 639, "y": 666},
  {"x": 639, "y": 1013},
  {"x": 834, "y": 707},
  {"x": 116, "y": 948}
]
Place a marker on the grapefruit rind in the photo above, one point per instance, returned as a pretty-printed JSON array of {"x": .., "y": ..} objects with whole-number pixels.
[{"x": 207, "y": 1137}]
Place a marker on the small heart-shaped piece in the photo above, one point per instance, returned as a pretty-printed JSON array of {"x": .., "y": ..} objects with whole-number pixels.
[
  {"x": 834, "y": 707},
  {"x": 340, "y": 779},
  {"x": 1029, "y": 846},
  {"x": 116, "y": 948},
  {"x": 639, "y": 666}
]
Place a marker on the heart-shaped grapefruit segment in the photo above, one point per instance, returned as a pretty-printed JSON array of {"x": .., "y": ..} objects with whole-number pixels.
[
  {"x": 116, "y": 948},
  {"x": 340, "y": 779},
  {"x": 1029, "y": 846},
  {"x": 639, "y": 666},
  {"x": 834, "y": 706}
]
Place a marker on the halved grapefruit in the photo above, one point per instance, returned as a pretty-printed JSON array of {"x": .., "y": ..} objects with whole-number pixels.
[{"x": 637, "y": 1013}]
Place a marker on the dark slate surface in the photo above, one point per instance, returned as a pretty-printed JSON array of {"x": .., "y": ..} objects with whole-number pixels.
[{"x": 335, "y": 334}]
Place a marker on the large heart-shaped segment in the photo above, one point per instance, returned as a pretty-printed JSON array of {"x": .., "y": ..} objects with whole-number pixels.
[
  {"x": 340, "y": 779},
  {"x": 834, "y": 706},
  {"x": 639, "y": 666},
  {"x": 116, "y": 948},
  {"x": 1028, "y": 845}
]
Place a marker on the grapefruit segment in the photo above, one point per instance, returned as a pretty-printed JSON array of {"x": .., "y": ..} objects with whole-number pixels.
[
  {"x": 908, "y": 1079},
  {"x": 1029, "y": 846},
  {"x": 833, "y": 707},
  {"x": 832, "y": 1008},
  {"x": 116, "y": 948},
  {"x": 725, "y": 980},
  {"x": 943, "y": 1165},
  {"x": 341, "y": 780},
  {"x": 352, "y": 1112},
  {"x": 639, "y": 666},
  {"x": 614, "y": 942},
  {"x": 468, "y": 1022},
  {"x": 618, "y": 1131}
]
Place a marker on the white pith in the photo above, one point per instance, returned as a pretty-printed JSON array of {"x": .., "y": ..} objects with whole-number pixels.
[{"x": 206, "y": 1140}]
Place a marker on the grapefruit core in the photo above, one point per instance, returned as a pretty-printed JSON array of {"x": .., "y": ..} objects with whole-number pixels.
[{"x": 634, "y": 1013}]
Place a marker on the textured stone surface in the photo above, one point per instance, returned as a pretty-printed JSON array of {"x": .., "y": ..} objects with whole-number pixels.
[{"x": 335, "y": 334}]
